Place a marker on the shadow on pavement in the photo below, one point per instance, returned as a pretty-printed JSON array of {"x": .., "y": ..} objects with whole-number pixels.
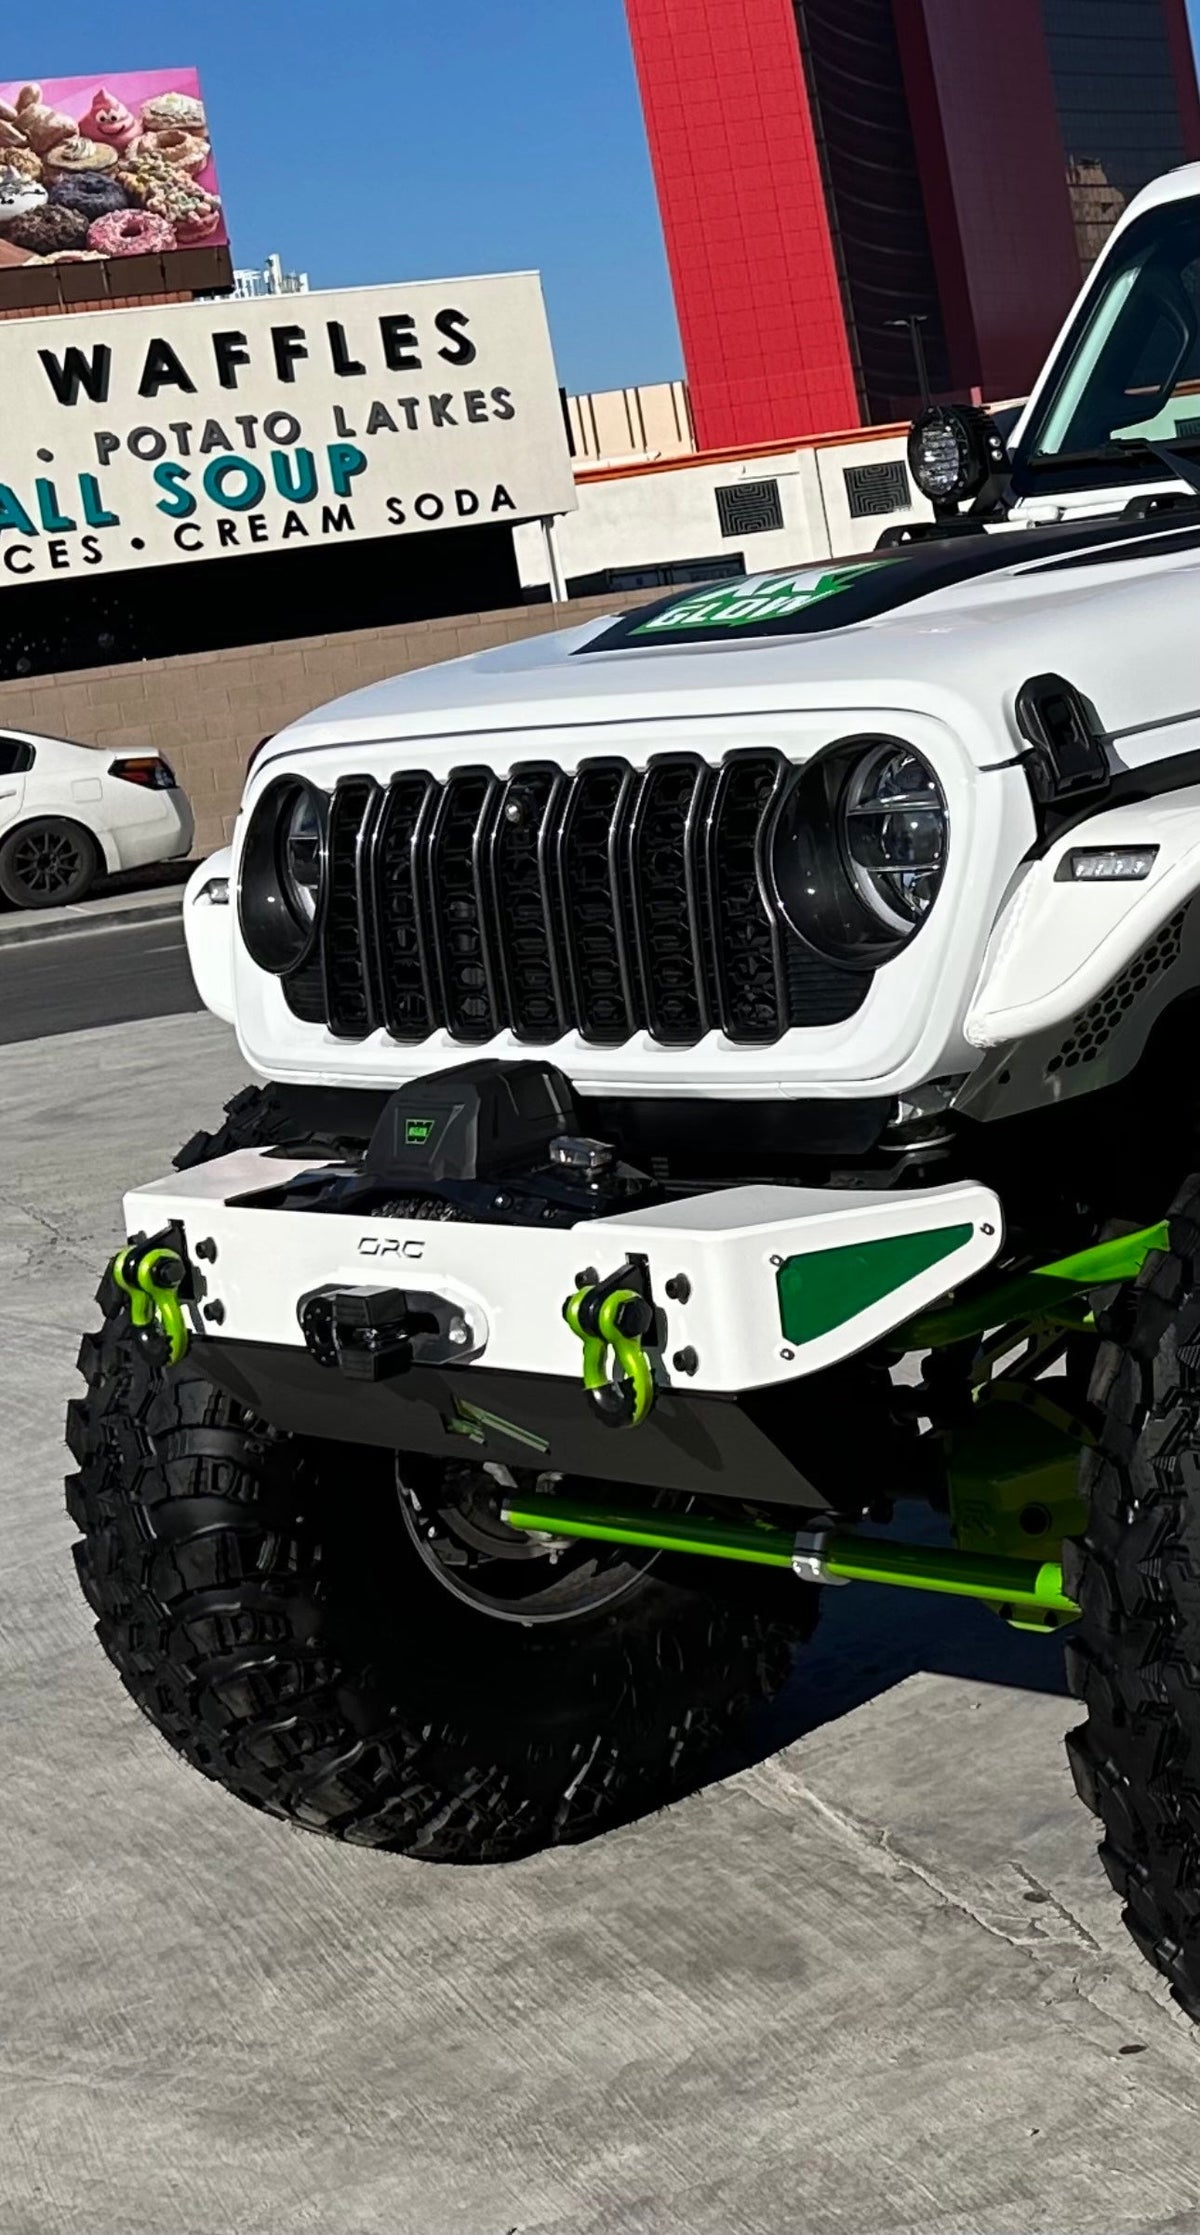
[{"x": 870, "y": 1639}]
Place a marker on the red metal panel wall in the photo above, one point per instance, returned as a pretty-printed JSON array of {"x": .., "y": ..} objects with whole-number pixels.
[
  {"x": 994, "y": 178},
  {"x": 743, "y": 211},
  {"x": 1184, "y": 59}
]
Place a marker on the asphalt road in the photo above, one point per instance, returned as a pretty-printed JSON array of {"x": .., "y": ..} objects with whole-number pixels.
[{"x": 113, "y": 975}]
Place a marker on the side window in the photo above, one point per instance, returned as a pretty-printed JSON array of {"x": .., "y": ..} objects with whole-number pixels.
[{"x": 16, "y": 756}]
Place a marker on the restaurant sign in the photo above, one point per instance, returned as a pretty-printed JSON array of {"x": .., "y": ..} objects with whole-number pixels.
[{"x": 153, "y": 437}]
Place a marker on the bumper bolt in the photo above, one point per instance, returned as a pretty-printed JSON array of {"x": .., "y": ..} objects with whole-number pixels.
[
  {"x": 685, "y": 1361},
  {"x": 679, "y": 1288},
  {"x": 207, "y": 1250},
  {"x": 214, "y": 1312}
]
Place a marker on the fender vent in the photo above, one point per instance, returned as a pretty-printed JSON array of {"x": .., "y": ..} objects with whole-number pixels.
[{"x": 1095, "y": 1025}]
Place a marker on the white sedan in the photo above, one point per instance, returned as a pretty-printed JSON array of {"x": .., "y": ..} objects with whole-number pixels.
[{"x": 72, "y": 813}]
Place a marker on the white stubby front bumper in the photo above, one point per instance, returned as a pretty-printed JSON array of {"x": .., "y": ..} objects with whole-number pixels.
[{"x": 752, "y": 1286}]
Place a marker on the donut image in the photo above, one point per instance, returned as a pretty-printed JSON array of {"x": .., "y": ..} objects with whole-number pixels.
[
  {"x": 173, "y": 112},
  {"x": 78, "y": 154},
  {"x": 70, "y": 256},
  {"x": 187, "y": 150},
  {"x": 46, "y": 230},
  {"x": 43, "y": 128},
  {"x": 130, "y": 233},
  {"x": 95, "y": 193},
  {"x": 19, "y": 194},
  {"x": 109, "y": 121}
]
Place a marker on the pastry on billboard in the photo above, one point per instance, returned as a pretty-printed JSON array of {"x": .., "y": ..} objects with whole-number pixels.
[
  {"x": 44, "y": 128},
  {"x": 22, "y": 159},
  {"x": 162, "y": 187},
  {"x": 199, "y": 221},
  {"x": 78, "y": 154},
  {"x": 109, "y": 121},
  {"x": 18, "y": 193},
  {"x": 93, "y": 192},
  {"x": 15, "y": 151},
  {"x": 131, "y": 233},
  {"x": 189, "y": 151},
  {"x": 167, "y": 112},
  {"x": 70, "y": 256},
  {"x": 45, "y": 230}
]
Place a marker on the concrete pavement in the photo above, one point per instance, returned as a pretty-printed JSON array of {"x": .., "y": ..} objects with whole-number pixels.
[{"x": 874, "y": 1985}]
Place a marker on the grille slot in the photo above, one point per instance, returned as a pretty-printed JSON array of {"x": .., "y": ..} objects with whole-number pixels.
[
  {"x": 531, "y": 987},
  {"x": 458, "y": 904},
  {"x": 347, "y": 939},
  {"x": 663, "y": 829},
  {"x": 402, "y": 943},
  {"x": 751, "y": 988},
  {"x": 607, "y": 902},
  {"x": 595, "y": 928}
]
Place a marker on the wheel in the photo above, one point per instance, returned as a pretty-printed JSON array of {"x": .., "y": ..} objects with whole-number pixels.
[
  {"x": 367, "y": 1650},
  {"x": 1134, "y": 1658},
  {"x": 48, "y": 864}
]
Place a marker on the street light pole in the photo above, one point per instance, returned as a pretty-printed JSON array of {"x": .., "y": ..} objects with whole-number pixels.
[{"x": 912, "y": 326}]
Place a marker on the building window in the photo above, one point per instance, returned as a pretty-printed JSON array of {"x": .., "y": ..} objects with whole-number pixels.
[
  {"x": 749, "y": 507},
  {"x": 875, "y": 489}
]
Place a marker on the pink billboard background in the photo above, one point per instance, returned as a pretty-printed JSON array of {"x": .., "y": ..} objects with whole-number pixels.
[{"x": 101, "y": 167}]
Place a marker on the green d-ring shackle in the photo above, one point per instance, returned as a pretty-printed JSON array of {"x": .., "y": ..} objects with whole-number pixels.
[
  {"x": 151, "y": 1278},
  {"x": 616, "y": 1323}
]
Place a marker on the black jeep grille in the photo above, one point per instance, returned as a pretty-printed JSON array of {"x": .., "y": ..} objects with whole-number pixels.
[{"x": 610, "y": 902}]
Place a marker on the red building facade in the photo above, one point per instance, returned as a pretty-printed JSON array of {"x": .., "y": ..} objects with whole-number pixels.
[{"x": 829, "y": 171}]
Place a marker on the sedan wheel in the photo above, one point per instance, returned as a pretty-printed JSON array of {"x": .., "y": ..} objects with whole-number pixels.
[{"x": 47, "y": 864}]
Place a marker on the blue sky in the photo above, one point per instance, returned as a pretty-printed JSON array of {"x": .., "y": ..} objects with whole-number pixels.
[{"x": 409, "y": 139}]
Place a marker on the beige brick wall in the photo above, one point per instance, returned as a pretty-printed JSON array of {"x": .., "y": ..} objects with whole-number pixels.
[{"x": 208, "y": 712}]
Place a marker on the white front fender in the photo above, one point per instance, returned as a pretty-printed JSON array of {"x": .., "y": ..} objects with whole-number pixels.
[
  {"x": 1058, "y": 944},
  {"x": 209, "y": 926}
]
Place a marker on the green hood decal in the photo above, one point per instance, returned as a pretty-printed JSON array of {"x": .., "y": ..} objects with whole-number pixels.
[
  {"x": 844, "y": 593},
  {"x": 765, "y": 597}
]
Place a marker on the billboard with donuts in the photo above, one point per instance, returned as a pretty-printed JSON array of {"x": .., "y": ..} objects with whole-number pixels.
[{"x": 105, "y": 183}]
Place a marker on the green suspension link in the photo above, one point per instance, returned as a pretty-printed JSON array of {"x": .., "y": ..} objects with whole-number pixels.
[{"x": 151, "y": 1278}]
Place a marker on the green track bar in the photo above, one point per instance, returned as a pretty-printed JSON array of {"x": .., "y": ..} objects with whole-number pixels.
[
  {"x": 1038, "y": 1294},
  {"x": 838, "y": 1554}
]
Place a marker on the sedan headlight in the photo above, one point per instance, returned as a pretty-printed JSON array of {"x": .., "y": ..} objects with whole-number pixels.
[
  {"x": 858, "y": 852},
  {"x": 281, "y": 885}
]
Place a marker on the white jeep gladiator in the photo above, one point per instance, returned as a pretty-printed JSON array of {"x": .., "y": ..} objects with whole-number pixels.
[{"x": 728, "y": 1071}]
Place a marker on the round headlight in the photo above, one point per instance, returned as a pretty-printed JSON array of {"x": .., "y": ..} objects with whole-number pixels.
[
  {"x": 282, "y": 876},
  {"x": 953, "y": 449},
  {"x": 892, "y": 825},
  {"x": 858, "y": 852}
]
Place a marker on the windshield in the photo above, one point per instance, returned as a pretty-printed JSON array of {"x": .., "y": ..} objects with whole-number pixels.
[{"x": 1131, "y": 370}]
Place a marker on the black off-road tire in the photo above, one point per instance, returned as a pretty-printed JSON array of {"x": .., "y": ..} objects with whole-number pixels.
[
  {"x": 1134, "y": 1658},
  {"x": 255, "y": 1119},
  {"x": 264, "y": 1603}
]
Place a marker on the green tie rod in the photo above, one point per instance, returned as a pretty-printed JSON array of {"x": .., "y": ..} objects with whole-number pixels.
[{"x": 822, "y": 1555}]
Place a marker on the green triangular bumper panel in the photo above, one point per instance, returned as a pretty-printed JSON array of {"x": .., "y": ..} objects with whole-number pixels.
[{"x": 824, "y": 1289}]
